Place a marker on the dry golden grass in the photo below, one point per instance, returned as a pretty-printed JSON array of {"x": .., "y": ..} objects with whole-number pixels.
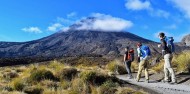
[
  {"x": 77, "y": 85},
  {"x": 159, "y": 67},
  {"x": 182, "y": 61}
]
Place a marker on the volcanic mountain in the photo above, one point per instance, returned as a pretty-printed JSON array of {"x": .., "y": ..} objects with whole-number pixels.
[{"x": 75, "y": 42}]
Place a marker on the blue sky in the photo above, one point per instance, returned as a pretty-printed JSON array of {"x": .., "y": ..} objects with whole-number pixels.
[{"x": 26, "y": 20}]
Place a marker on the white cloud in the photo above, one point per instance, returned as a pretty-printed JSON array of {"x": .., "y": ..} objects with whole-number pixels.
[
  {"x": 137, "y": 5},
  {"x": 183, "y": 5},
  {"x": 61, "y": 24},
  {"x": 32, "y": 29},
  {"x": 55, "y": 27},
  {"x": 106, "y": 23},
  {"x": 71, "y": 15}
]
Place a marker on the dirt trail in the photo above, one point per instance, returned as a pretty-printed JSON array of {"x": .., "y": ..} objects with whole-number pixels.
[{"x": 162, "y": 88}]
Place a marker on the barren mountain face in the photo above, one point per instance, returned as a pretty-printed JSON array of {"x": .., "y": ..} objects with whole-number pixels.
[{"x": 186, "y": 40}]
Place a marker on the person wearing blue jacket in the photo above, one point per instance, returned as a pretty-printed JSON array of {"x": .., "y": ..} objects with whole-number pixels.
[{"x": 143, "y": 56}]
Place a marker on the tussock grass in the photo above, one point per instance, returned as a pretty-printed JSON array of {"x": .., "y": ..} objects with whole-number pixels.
[
  {"x": 182, "y": 61},
  {"x": 116, "y": 67},
  {"x": 18, "y": 84}
]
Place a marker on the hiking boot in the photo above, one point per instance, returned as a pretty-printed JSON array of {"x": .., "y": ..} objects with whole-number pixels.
[
  {"x": 165, "y": 81},
  {"x": 130, "y": 77},
  {"x": 117, "y": 73},
  {"x": 175, "y": 82},
  {"x": 147, "y": 81},
  {"x": 137, "y": 80}
]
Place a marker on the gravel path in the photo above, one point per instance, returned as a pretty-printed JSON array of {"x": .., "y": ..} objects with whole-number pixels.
[{"x": 162, "y": 88}]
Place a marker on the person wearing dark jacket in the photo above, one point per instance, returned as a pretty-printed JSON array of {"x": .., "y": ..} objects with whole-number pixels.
[
  {"x": 128, "y": 58},
  {"x": 167, "y": 54}
]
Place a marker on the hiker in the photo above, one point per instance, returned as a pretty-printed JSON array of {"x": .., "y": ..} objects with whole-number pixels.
[
  {"x": 167, "y": 49},
  {"x": 128, "y": 59},
  {"x": 143, "y": 56}
]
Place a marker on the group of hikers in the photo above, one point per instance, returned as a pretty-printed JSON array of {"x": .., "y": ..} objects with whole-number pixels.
[{"x": 144, "y": 56}]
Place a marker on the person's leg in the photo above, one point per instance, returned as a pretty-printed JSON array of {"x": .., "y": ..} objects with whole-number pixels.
[
  {"x": 166, "y": 74},
  {"x": 166, "y": 66},
  {"x": 173, "y": 78},
  {"x": 127, "y": 67},
  {"x": 172, "y": 74},
  {"x": 130, "y": 73},
  {"x": 141, "y": 66},
  {"x": 146, "y": 70}
]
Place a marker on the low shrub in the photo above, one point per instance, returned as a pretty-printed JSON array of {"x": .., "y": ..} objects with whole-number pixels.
[
  {"x": 80, "y": 87},
  {"x": 65, "y": 84},
  {"x": 8, "y": 88},
  {"x": 88, "y": 76},
  {"x": 56, "y": 65},
  {"x": 38, "y": 75},
  {"x": 18, "y": 84},
  {"x": 116, "y": 67},
  {"x": 67, "y": 73},
  {"x": 10, "y": 75},
  {"x": 33, "y": 90},
  {"x": 104, "y": 89},
  {"x": 182, "y": 61},
  {"x": 96, "y": 78}
]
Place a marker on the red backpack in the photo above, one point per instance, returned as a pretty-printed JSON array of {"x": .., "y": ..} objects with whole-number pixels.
[{"x": 131, "y": 55}]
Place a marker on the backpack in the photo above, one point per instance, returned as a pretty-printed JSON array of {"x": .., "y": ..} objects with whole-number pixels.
[
  {"x": 145, "y": 49},
  {"x": 170, "y": 44},
  {"x": 131, "y": 55}
]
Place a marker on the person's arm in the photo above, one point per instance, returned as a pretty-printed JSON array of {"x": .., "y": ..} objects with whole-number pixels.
[
  {"x": 125, "y": 56},
  {"x": 163, "y": 43},
  {"x": 138, "y": 54},
  {"x": 164, "y": 46}
]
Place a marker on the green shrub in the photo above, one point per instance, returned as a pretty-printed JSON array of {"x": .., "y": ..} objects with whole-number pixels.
[
  {"x": 96, "y": 78},
  {"x": 56, "y": 65},
  {"x": 116, "y": 67},
  {"x": 67, "y": 73},
  {"x": 10, "y": 75},
  {"x": 52, "y": 85},
  {"x": 88, "y": 76},
  {"x": 80, "y": 87},
  {"x": 7, "y": 88},
  {"x": 108, "y": 87},
  {"x": 110, "y": 83},
  {"x": 107, "y": 90},
  {"x": 126, "y": 91},
  {"x": 93, "y": 77},
  {"x": 38, "y": 75},
  {"x": 65, "y": 84},
  {"x": 182, "y": 61},
  {"x": 33, "y": 90},
  {"x": 18, "y": 84}
]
